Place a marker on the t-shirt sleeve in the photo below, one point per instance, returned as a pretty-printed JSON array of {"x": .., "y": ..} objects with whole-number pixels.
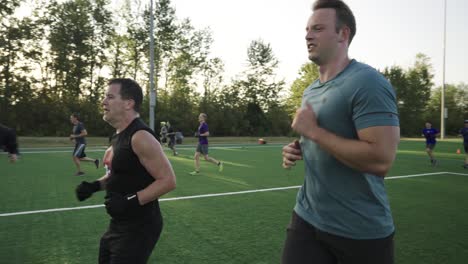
[
  {"x": 374, "y": 103},
  {"x": 204, "y": 128},
  {"x": 79, "y": 128}
]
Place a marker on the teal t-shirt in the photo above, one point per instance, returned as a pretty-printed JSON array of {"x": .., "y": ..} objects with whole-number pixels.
[{"x": 334, "y": 197}]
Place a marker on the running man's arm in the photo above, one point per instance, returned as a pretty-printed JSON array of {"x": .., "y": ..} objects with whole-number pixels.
[
  {"x": 206, "y": 134},
  {"x": 83, "y": 133},
  {"x": 374, "y": 151},
  {"x": 151, "y": 155}
]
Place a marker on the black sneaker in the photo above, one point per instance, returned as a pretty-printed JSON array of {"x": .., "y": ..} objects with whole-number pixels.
[
  {"x": 96, "y": 162},
  {"x": 80, "y": 173},
  {"x": 465, "y": 166}
]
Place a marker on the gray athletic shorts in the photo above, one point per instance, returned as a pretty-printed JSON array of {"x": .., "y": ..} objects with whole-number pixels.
[{"x": 203, "y": 149}]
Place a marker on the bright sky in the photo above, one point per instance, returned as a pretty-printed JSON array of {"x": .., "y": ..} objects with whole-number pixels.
[{"x": 389, "y": 32}]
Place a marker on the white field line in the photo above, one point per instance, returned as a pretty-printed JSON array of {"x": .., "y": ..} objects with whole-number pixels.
[
  {"x": 103, "y": 148},
  {"x": 214, "y": 195}
]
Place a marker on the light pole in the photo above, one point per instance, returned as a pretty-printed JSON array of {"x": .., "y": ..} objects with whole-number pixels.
[
  {"x": 442, "y": 95},
  {"x": 152, "y": 92}
]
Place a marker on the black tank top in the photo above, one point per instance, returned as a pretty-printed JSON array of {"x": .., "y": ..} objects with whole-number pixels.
[{"x": 128, "y": 175}]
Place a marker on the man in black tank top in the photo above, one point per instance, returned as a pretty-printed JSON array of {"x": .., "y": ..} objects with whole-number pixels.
[{"x": 138, "y": 174}]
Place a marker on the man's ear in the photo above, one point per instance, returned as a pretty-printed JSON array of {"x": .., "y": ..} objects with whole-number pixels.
[
  {"x": 129, "y": 104},
  {"x": 344, "y": 34}
]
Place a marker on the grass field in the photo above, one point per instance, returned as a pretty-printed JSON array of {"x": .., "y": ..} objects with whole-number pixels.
[{"x": 429, "y": 207}]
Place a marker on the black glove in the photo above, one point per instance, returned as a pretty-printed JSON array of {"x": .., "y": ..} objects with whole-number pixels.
[
  {"x": 86, "y": 189},
  {"x": 118, "y": 205},
  {"x": 197, "y": 134}
]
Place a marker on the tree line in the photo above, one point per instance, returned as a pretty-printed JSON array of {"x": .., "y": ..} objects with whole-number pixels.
[{"x": 58, "y": 59}]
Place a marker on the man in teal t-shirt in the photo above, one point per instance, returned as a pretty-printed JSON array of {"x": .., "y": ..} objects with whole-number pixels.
[{"x": 349, "y": 130}]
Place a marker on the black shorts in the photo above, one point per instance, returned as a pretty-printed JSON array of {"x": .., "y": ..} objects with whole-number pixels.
[
  {"x": 79, "y": 150},
  {"x": 430, "y": 146},
  {"x": 305, "y": 244},
  {"x": 130, "y": 243},
  {"x": 171, "y": 142}
]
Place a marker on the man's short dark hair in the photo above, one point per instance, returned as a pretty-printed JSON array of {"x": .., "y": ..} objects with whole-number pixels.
[
  {"x": 344, "y": 15},
  {"x": 129, "y": 89},
  {"x": 76, "y": 115}
]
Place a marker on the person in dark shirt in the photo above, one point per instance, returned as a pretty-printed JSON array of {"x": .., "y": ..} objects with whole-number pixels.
[
  {"x": 172, "y": 140},
  {"x": 139, "y": 173},
  {"x": 8, "y": 142},
  {"x": 464, "y": 133},
  {"x": 78, "y": 135},
  {"x": 163, "y": 133},
  {"x": 430, "y": 134}
]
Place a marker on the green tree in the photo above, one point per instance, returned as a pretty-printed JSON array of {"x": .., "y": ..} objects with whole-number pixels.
[
  {"x": 212, "y": 74},
  {"x": 79, "y": 34},
  {"x": 456, "y": 102},
  {"x": 17, "y": 55},
  {"x": 307, "y": 75},
  {"x": 7, "y": 7},
  {"x": 259, "y": 87},
  {"x": 413, "y": 90},
  {"x": 189, "y": 56}
]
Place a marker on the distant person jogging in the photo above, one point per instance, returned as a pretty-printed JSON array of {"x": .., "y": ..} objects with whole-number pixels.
[
  {"x": 202, "y": 148},
  {"x": 78, "y": 135},
  {"x": 464, "y": 133},
  {"x": 430, "y": 134},
  {"x": 172, "y": 138},
  {"x": 9, "y": 143}
]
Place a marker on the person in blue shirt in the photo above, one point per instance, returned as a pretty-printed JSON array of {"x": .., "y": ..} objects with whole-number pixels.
[
  {"x": 202, "y": 148},
  {"x": 430, "y": 134},
  {"x": 349, "y": 129},
  {"x": 464, "y": 133}
]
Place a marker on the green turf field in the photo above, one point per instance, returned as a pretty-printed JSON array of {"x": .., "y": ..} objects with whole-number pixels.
[{"x": 430, "y": 210}]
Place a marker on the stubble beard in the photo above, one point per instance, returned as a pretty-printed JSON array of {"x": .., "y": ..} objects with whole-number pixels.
[{"x": 315, "y": 59}]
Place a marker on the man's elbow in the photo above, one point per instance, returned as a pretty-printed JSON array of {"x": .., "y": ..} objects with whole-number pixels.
[
  {"x": 380, "y": 169},
  {"x": 171, "y": 184}
]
